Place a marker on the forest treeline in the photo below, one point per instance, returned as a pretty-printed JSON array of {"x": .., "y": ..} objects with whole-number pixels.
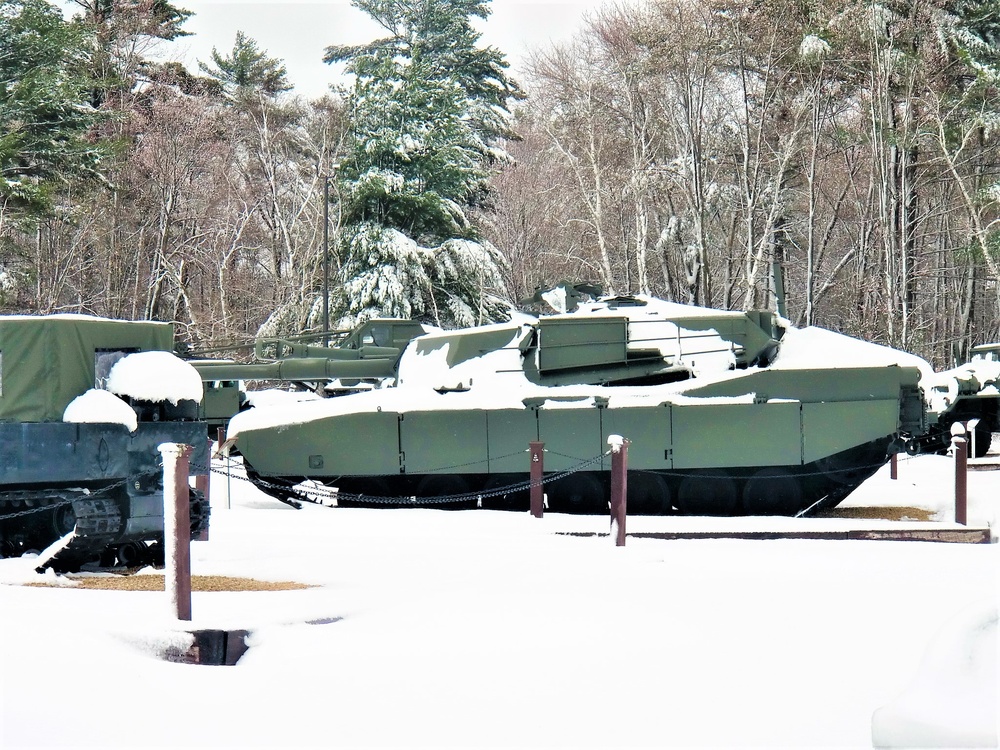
[{"x": 703, "y": 151}]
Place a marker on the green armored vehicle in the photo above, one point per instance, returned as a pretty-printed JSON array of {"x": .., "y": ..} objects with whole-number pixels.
[
  {"x": 726, "y": 413},
  {"x": 84, "y": 404},
  {"x": 350, "y": 361}
]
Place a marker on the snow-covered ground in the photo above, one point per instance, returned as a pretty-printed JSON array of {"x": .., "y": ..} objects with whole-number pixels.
[{"x": 479, "y": 628}]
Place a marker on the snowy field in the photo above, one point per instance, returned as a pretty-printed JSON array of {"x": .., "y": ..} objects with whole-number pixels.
[{"x": 428, "y": 628}]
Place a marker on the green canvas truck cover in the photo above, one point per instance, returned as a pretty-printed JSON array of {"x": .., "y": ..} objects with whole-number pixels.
[{"x": 48, "y": 360}]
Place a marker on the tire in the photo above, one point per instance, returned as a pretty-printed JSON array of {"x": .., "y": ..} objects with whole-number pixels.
[
  {"x": 772, "y": 492},
  {"x": 648, "y": 494},
  {"x": 710, "y": 492},
  {"x": 581, "y": 492}
]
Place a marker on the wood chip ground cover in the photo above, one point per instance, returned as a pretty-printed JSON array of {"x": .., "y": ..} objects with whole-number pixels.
[{"x": 156, "y": 583}]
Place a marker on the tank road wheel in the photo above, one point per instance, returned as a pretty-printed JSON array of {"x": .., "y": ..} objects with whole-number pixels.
[
  {"x": 648, "y": 494},
  {"x": 445, "y": 486},
  {"x": 132, "y": 555},
  {"x": 772, "y": 492},
  {"x": 514, "y": 500},
  {"x": 63, "y": 520},
  {"x": 581, "y": 492},
  {"x": 711, "y": 492}
]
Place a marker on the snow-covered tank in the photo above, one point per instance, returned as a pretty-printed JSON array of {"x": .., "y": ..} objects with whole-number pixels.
[
  {"x": 726, "y": 413},
  {"x": 84, "y": 404}
]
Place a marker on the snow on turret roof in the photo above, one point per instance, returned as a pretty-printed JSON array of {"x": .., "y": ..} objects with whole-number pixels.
[
  {"x": 155, "y": 376},
  {"x": 812, "y": 347},
  {"x": 101, "y": 407}
]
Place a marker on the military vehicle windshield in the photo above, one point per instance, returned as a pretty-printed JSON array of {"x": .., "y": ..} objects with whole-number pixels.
[{"x": 986, "y": 353}]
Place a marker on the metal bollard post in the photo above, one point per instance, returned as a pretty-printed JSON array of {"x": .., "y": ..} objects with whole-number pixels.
[
  {"x": 203, "y": 484},
  {"x": 959, "y": 449},
  {"x": 221, "y": 437},
  {"x": 177, "y": 527},
  {"x": 619, "y": 486},
  {"x": 536, "y": 449}
]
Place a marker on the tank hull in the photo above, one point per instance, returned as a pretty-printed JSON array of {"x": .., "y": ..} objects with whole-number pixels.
[{"x": 761, "y": 442}]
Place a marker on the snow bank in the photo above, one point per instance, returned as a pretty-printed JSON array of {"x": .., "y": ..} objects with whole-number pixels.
[
  {"x": 101, "y": 407},
  {"x": 155, "y": 376},
  {"x": 952, "y": 702}
]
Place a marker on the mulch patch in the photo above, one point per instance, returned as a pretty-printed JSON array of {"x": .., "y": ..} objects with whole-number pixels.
[
  {"x": 879, "y": 514},
  {"x": 157, "y": 583}
]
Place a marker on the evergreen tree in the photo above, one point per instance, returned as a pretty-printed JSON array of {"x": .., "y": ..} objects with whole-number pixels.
[
  {"x": 429, "y": 111},
  {"x": 44, "y": 118},
  {"x": 123, "y": 32},
  {"x": 247, "y": 70}
]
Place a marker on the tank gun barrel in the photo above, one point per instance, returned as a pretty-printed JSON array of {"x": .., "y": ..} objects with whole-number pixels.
[{"x": 378, "y": 365}]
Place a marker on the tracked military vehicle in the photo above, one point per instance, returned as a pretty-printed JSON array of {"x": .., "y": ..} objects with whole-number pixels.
[
  {"x": 726, "y": 413},
  {"x": 348, "y": 361},
  {"x": 84, "y": 404}
]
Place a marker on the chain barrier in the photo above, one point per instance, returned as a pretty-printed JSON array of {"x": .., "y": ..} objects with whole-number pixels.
[
  {"x": 333, "y": 496},
  {"x": 69, "y": 501},
  {"x": 320, "y": 494}
]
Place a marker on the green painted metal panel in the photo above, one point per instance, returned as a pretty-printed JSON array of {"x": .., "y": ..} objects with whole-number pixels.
[
  {"x": 585, "y": 342},
  {"x": 347, "y": 445},
  {"x": 722, "y": 435},
  {"x": 570, "y": 435},
  {"x": 444, "y": 442},
  {"x": 648, "y": 432},
  {"x": 831, "y": 427},
  {"x": 509, "y": 432}
]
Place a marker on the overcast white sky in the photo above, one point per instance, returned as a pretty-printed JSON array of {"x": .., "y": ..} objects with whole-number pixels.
[{"x": 298, "y": 31}]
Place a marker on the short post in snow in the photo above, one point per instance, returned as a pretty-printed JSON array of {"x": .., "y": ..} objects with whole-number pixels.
[
  {"x": 893, "y": 464},
  {"x": 619, "y": 486},
  {"x": 202, "y": 483},
  {"x": 221, "y": 439},
  {"x": 959, "y": 450},
  {"x": 177, "y": 527},
  {"x": 536, "y": 449}
]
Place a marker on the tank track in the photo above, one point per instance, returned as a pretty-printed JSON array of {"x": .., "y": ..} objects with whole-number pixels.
[{"x": 32, "y": 520}]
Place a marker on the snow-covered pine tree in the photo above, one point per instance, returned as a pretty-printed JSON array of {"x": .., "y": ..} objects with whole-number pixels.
[
  {"x": 429, "y": 113},
  {"x": 44, "y": 116}
]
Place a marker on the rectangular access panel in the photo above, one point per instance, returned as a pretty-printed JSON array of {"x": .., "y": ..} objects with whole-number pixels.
[
  {"x": 567, "y": 343},
  {"x": 571, "y": 434},
  {"x": 647, "y": 429},
  {"x": 450, "y": 442},
  {"x": 508, "y": 433},
  {"x": 719, "y": 435},
  {"x": 835, "y": 426}
]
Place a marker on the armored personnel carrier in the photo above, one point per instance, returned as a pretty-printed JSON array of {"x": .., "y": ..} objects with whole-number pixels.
[
  {"x": 84, "y": 404},
  {"x": 726, "y": 413}
]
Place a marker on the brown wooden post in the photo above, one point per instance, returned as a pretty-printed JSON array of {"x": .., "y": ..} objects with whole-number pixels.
[
  {"x": 893, "y": 472},
  {"x": 959, "y": 449},
  {"x": 177, "y": 527},
  {"x": 536, "y": 449},
  {"x": 619, "y": 487}
]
